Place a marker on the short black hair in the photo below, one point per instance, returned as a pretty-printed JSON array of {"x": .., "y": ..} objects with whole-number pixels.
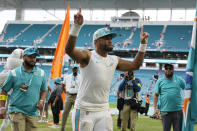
[
  {"x": 156, "y": 76},
  {"x": 168, "y": 65},
  {"x": 75, "y": 67},
  {"x": 122, "y": 75}
]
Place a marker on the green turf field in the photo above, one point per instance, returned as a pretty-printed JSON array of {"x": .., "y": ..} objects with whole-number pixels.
[{"x": 144, "y": 123}]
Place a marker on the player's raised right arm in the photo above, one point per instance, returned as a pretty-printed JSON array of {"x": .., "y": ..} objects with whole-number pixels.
[{"x": 80, "y": 56}]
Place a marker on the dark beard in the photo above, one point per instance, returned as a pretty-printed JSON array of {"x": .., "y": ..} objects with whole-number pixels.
[
  {"x": 107, "y": 49},
  {"x": 75, "y": 73},
  {"x": 169, "y": 76},
  {"x": 28, "y": 64}
]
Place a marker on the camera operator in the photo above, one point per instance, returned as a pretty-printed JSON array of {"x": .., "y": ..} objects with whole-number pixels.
[{"x": 130, "y": 87}]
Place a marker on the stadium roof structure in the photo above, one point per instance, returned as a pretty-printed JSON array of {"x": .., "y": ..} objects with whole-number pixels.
[{"x": 96, "y": 4}]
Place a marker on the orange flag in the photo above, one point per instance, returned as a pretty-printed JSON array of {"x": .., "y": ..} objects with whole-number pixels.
[{"x": 56, "y": 68}]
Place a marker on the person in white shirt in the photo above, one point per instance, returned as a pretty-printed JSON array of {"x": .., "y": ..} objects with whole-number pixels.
[
  {"x": 91, "y": 110},
  {"x": 71, "y": 82}
]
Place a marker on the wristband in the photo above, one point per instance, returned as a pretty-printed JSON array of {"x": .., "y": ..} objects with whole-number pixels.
[
  {"x": 75, "y": 29},
  {"x": 3, "y": 97},
  {"x": 142, "y": 47}
]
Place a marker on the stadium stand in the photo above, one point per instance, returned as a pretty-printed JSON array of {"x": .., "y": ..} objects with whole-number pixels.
[
  {"x": 33, "y": 34},
  {"x": 52, "y": 38},
  {"x": 46, "y": 35},
  {"x": 122, "y": 35},
  {"x": 86, "y": 33},
  {"x": 154, "y": 31},
  {"x": 13, "y": 29},
  {"x": 177, "y": 37}
]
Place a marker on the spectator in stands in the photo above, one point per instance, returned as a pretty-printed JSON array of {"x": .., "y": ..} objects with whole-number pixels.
[
  {"x": 147, "y": 103},
  {"x": 130, "y": 87},
  {"x": 13, "y": 61},
  {"x": 45, "y": 107},
  {"x": 56, "y": 101},
  {"x": 97, "y": 70},
  {"x": 169, "y": 88},
  {"x": 27, "y": 81},
  {"x": 71, "y": 82}
]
